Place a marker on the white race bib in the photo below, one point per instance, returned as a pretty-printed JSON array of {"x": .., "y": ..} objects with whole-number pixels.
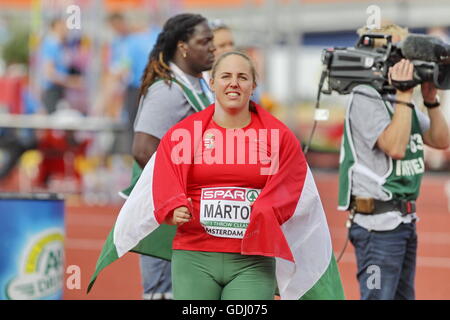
[{"x": 225, "y": 211}]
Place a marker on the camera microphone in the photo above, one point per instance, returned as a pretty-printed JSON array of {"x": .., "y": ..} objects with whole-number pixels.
[{"x": 425, "y": 48}]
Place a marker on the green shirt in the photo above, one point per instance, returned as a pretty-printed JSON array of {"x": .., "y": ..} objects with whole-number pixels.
[{"x": 403, "y": 177}]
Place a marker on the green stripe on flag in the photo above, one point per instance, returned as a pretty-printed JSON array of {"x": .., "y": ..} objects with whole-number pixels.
[
  {"x": 329, "y": 286},
  {"x": 107, "y": 256},
  {"x": 136, "y": 173},
  {"x": 158, "y": 243}
]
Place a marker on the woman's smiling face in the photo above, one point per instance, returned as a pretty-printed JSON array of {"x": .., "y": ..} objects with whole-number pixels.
[{"x": 233, "y": 82}]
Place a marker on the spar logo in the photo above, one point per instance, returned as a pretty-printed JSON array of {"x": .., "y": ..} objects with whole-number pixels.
[
  {"x": 231, "y": 194},
  {"x": 252, "y": 194},
  {"x": 41, "y": 269}
]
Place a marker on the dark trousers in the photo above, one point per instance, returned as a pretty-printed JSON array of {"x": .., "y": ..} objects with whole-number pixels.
[
  {"x": 156, "y": 278},
  {"x": 386, "y": 262},
  {"x": 51, "y": 96}
]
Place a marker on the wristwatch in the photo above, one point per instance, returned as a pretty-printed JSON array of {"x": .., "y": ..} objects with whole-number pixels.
[{"x": 435, "y": 104}]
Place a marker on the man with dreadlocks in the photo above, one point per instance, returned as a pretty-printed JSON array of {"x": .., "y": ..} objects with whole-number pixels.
[{"x": 172, "y": 88}]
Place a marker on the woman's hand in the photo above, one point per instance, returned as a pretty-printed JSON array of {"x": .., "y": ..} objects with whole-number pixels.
[{"x": 180, "y": 216}]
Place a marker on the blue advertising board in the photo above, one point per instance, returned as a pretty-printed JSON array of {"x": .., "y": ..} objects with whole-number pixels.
[{"x": 31, "y": 246}]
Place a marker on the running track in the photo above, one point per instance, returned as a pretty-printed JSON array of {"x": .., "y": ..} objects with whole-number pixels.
[{"x": 88, "y": 226}]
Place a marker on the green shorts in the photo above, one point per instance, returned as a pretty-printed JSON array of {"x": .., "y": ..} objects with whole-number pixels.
[{"x": 198, "y": 275}]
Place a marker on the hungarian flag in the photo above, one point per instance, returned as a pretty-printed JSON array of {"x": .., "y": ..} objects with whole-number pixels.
[{"x": 287, "y": 219}]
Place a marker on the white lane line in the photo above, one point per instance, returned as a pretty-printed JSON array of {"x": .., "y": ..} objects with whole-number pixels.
[
  {"x": 424, "y": 237},
  {"x": 95, "y": 220},
  {"x": 83, "y": 244},
  {"x": 426, "y": 262},
  {"x": 433, "y": 262}
]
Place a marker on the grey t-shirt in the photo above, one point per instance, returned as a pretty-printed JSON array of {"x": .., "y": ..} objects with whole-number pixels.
[
  {"x": 368, "y": 119},
  {"x": 163, "y": 107}
]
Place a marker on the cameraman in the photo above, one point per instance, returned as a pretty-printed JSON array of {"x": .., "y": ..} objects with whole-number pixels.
[{"x": 381, "y": 167}]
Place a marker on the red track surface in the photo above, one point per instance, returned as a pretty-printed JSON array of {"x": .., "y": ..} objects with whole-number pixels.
[{"x": 88, "y": 226}]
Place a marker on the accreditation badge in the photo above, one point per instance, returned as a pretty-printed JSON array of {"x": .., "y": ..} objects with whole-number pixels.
[{"x": 225, "y": 211}]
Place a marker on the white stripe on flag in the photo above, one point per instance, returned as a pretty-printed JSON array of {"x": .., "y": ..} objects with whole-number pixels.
[
  {"x": 310, "y": 242},
  {"x": 136, "y": 219}
]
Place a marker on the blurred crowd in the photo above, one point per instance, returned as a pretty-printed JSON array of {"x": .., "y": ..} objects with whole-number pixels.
[
  {"x": 56, "y": 77},
  {"x": 66, "y": 73}
]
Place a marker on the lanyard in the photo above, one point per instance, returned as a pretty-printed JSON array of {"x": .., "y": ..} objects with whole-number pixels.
[
  {"x": 206, "y": 90},
  {"x": 180, "y": 76}
]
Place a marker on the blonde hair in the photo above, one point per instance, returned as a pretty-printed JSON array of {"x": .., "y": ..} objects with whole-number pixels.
[
  {"x": 217, "y": 24},
  {"x": 235, "y": 53},
  {"x": 252, "y": 106},
  {"x": 389, "y": 29}
]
